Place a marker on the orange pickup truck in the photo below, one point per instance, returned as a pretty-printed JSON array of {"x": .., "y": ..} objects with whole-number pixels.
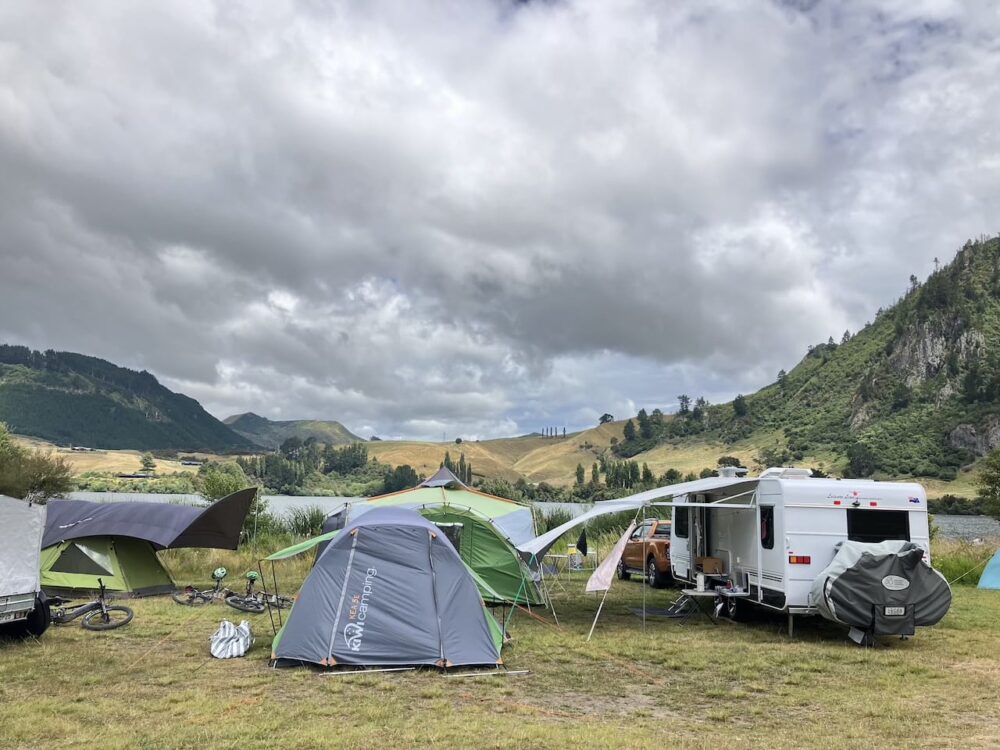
[{"x": 647, "y": 553}]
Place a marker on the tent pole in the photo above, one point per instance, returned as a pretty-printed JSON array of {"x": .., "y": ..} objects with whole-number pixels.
[
  {"x": 599, "y": 608},
  {"x": 601, "y": 605},
  {"x": 547, "y": 591},
  {"x": 648, "y": 582},
  {"x": 518, "y": 594}
]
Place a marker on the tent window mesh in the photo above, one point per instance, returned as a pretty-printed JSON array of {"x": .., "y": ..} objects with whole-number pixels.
[
  {"x": 454, "y": 533},
  {"x": 79, "y": 558}
]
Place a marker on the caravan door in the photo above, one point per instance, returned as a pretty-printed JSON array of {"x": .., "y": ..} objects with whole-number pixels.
[{"x": 680, "y": 551}]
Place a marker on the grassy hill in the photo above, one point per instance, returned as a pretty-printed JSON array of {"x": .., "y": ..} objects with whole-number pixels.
[
  {"x": 271, "y": 434},
  {"x": 73, "y": 399}
]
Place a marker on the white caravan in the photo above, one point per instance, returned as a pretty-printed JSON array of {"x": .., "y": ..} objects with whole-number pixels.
[{"x": 764, "y": 541}]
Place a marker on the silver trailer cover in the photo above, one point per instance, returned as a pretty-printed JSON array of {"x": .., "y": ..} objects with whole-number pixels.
[
  {"x": 883, "y": 589},
  {"x": 21, "y": 528}
]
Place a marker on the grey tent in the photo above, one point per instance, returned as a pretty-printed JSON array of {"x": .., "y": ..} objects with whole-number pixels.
[
  {"x": 881, "y": 589},
  {"x": 389, "y": 590}
]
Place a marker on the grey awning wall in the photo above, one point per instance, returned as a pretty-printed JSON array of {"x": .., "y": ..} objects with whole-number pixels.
[{"x": 163, "y": 525}]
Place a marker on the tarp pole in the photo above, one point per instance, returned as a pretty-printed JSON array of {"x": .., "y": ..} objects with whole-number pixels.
[
  {"x": 599, "y": 608},
  {"x": 546, "y": 591},
  {"x": 601, "y": 605},
  {"x": 518, "y": 594},
  {"x": 648, "y": 582}
]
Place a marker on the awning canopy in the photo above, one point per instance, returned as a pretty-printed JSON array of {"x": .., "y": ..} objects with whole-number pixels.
[
  {"x": 538, "y": 546},
  {"x": 164, "y": 525},
  {"x": 305, "y": 546}
]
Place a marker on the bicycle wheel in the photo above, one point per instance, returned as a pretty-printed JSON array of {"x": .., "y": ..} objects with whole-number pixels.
[
  {"x": 250, "y": 604},
  {"x": 109, "y": 619},
  {"x": 190, "y": 598}
]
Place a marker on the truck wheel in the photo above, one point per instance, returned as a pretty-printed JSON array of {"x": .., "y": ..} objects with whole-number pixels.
[
  {"x": 653, "y": 576},
  {"x": 623, "y": 574}
]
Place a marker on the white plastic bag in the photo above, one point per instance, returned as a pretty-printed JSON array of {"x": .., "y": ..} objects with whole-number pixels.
[{"x": 231, "y": 640}]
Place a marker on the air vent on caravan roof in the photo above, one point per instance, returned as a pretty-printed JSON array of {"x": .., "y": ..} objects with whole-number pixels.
[
  {"x": 733, "y": 471},
  {"x": 782, "y": 473}
]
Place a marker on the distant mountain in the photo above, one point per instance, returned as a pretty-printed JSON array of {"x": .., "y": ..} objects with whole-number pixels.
[
  {"x": 73, "y": 399},
  {"x": 271, "y": 434}
]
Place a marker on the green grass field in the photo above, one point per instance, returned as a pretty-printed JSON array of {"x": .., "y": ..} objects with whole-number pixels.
[{"x": 699, "y": 684}]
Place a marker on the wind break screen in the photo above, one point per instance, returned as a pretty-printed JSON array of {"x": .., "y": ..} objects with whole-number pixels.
[{"x": 875, "y": 526}]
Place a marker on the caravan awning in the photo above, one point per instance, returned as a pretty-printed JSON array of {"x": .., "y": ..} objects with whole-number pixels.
[{"x": 538, "y": 546}]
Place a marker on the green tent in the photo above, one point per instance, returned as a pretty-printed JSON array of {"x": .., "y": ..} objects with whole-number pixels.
[
  {"x": 126, "y": 565},
  {"x": 482, "y": 528}
]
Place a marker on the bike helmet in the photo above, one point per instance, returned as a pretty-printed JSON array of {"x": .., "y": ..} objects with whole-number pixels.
[
  {"x": 219, "y": 573},
  {"x": 252, "y": 575}
]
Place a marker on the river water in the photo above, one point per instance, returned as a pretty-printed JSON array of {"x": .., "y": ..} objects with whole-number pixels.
[{"x": 951, "y": 527}]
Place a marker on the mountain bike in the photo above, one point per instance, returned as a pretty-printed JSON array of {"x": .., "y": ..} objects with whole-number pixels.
[
  {"x": 255, "y": 602},
  {"x": 97, "y": 615},
  {"x": 189, "y": 596}
]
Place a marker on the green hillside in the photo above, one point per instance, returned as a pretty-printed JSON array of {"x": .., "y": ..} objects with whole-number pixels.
[
  {"x": 72, "y": 399},
  {"x": 271, "y": 434},
  {"x": 914, "y": 393}
]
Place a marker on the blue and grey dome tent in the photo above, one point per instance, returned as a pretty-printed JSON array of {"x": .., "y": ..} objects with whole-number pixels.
[{"x": 389, "y": 590}]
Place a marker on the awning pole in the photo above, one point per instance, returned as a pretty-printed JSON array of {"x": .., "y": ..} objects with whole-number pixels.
[
  {"x": 648, "y": 582},
  {"x": 599, "y": 608}
]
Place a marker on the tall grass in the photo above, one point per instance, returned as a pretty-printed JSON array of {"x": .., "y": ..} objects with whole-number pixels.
[
  {"x": 962, "y": 561},
  {"x": 306, "y": 522}
]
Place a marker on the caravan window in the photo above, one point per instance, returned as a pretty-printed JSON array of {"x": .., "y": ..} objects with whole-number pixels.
[
  {"x": 877, "y": 525},
  {"x": 767, "y": 526},
  {"x": 681, "y": 522}
]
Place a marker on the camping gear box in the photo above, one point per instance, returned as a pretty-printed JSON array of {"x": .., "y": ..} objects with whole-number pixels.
[{"x": 710, "y": 565}]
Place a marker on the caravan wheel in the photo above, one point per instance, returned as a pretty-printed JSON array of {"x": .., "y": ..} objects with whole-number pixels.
[{"x": 736, "y": 609}]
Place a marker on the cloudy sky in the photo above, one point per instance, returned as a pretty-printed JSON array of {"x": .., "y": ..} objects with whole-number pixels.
[{"x": 481, "y": 217}]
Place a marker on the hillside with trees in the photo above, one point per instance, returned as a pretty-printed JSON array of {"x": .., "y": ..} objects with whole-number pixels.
[
  {"x": 915, "y": 393},
  {"x": 73, "y": 399}
]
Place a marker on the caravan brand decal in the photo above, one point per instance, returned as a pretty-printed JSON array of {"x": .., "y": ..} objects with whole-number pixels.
[
  {"x": 354, "y": 631},
  {"x": 852, "y": 495},
  {"x": 914, "y": 500},
  {"x": 895, "y": 583}
]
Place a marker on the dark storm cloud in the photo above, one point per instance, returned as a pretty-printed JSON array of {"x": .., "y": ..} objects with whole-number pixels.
[{"x": 464, "y": 217}]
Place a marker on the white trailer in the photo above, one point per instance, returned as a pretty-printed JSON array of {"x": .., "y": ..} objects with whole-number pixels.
[
  {"x": 766, "y": 544},
  {"x": 22, "y": 609}
]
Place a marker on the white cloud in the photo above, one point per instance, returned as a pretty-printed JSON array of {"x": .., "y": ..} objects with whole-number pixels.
[{"x": 483, "y": 217}]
